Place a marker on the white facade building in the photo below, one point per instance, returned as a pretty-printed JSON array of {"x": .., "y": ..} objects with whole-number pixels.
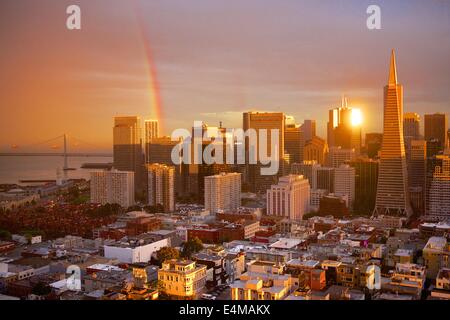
[
  {"x": 223, "y": 192},
  {"x": 289, "y": 198},
  {"x": 440, "y": 190},
  {"x": 339, "y": 156},
  {"x": 161, "y": 186},
  {"x": 344, "y": 183},
  {"x": 113, "y": 187},
  {"x": 134, "y": 253}
]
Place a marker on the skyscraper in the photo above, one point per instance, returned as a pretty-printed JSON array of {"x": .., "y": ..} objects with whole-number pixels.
[
  {"x": 307, "y": 169},
  {"x": 339, "y": 156},
  {"x": 159, "y": 150},
  {"x": 411, "y": 126},
  {"x": 309, "y": 129},
  {"x": 289, "y": 198},
  {"x": 411, "y": 130},
  {"x": 440, "y": 190},
  {"x": 316, "y": 149},
  {"x": 436, "y": 126},
  {"x": 431, "y": 163},
  {"x": 373, "y": 144},
  {"x": 294, "y": 143},
  {"x": 392, "y": 190},
  {"x": 366, "y": 179},
  {"x": 417, "y": 167},
  {"x": 448, "y": 138},
  {"x": 151, "y": 131},
  {"x": 193, "y": 175},
  {"x": 344, "y": 183},
  {"x": 342, "y": 130},
  {"x": 268, "y": 121},
  {"x": 161, "y": 186},
  {"x": 324, "y": 179},
  {"x": 127, "y": 151},
  {"x": 223, "y": 192},
  {"x": 112, "y": 187}
]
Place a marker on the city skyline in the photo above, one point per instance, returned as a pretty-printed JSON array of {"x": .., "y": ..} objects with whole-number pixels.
[
  {"x": 219, "y": 82},
  {"x": 250, "y": 151}
]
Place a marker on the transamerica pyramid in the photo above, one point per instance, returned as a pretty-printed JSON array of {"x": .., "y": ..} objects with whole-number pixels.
[{"x": 392, "y": 191}]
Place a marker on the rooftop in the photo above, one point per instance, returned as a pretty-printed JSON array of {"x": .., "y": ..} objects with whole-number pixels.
[{"x": 286, "y": 243}]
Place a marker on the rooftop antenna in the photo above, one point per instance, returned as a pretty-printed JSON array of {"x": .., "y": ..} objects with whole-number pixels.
[{"x": 344, "y": 102}]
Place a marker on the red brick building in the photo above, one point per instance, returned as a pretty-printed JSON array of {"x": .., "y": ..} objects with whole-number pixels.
[{"x": 217, "y": 232}]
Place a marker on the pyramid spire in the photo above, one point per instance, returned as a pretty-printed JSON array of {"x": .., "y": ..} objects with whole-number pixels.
[{"x": 393, "y": 70}]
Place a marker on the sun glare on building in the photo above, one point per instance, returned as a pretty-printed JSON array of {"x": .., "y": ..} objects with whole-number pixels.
[{"x": 356, "y": 117}]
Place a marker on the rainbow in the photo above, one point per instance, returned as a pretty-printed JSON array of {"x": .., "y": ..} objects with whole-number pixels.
[{"x": 154, "y": 89}]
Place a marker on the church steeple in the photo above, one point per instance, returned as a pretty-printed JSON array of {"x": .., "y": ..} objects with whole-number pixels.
[{"x": 393, "y": 70}]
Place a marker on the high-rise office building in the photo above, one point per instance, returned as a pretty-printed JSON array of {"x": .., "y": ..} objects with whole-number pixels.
[
  {"x": 324, "y": 179},
  {"x": 411, "y": 129},
  {"x": 159, "y": 150},
  {"x": 316, "y": 149},
  {"x": 263, "y": 121},
  {"x": 307, "y": 169},
  {"x": 417, "y": 166},
  {"x": 448, "y": 139},
  {"x": 112, "y": 187},
  {"x": 223, "y": 192},
  {"x": 294, "y": 143},
  {"x": 289, "y": 198},
  {"x": 316, "y": 196},
  {"x": 193, "y": 175},
  {"x": 411, "y": 125},
  {"x": 151, "y": 131},
  {"x": 392, "y": 190},
  {"x": 344, "y": 183},
  {"x": 439, "y": 197},
  {"x": 127, "y": 150},
  {"x": 373, "y": 144},
  {"x": 342, "y": 129},
  {"x": 431, "y": 163},
  {"x": 434, "y": 148},
  {"x": 338, "y": 156},
  {"x": 366, "y": 180},
  {"x": 161, "y": 186},
  {"x": 436, "y": 126},
  {"x": 309, "y": 129}
]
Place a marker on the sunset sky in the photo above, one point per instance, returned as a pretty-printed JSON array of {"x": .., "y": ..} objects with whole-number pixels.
[{"x": 212, "y": 60}]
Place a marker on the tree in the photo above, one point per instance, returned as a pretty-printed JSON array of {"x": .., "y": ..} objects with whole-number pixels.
[
  {"x": 5, "y": 235},
  {"x": 74, "y": 192},
  {"x": 105, "y": 211},
  {"x": 167, "y": 253},
  {"x": 192, "y": 246}
]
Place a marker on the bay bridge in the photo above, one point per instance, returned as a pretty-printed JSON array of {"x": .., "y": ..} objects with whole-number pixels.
[{"x": 67, "y": 142}]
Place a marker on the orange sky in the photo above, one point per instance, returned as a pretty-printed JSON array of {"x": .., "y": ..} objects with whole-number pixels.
[{"x": 214, "y": 60}]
